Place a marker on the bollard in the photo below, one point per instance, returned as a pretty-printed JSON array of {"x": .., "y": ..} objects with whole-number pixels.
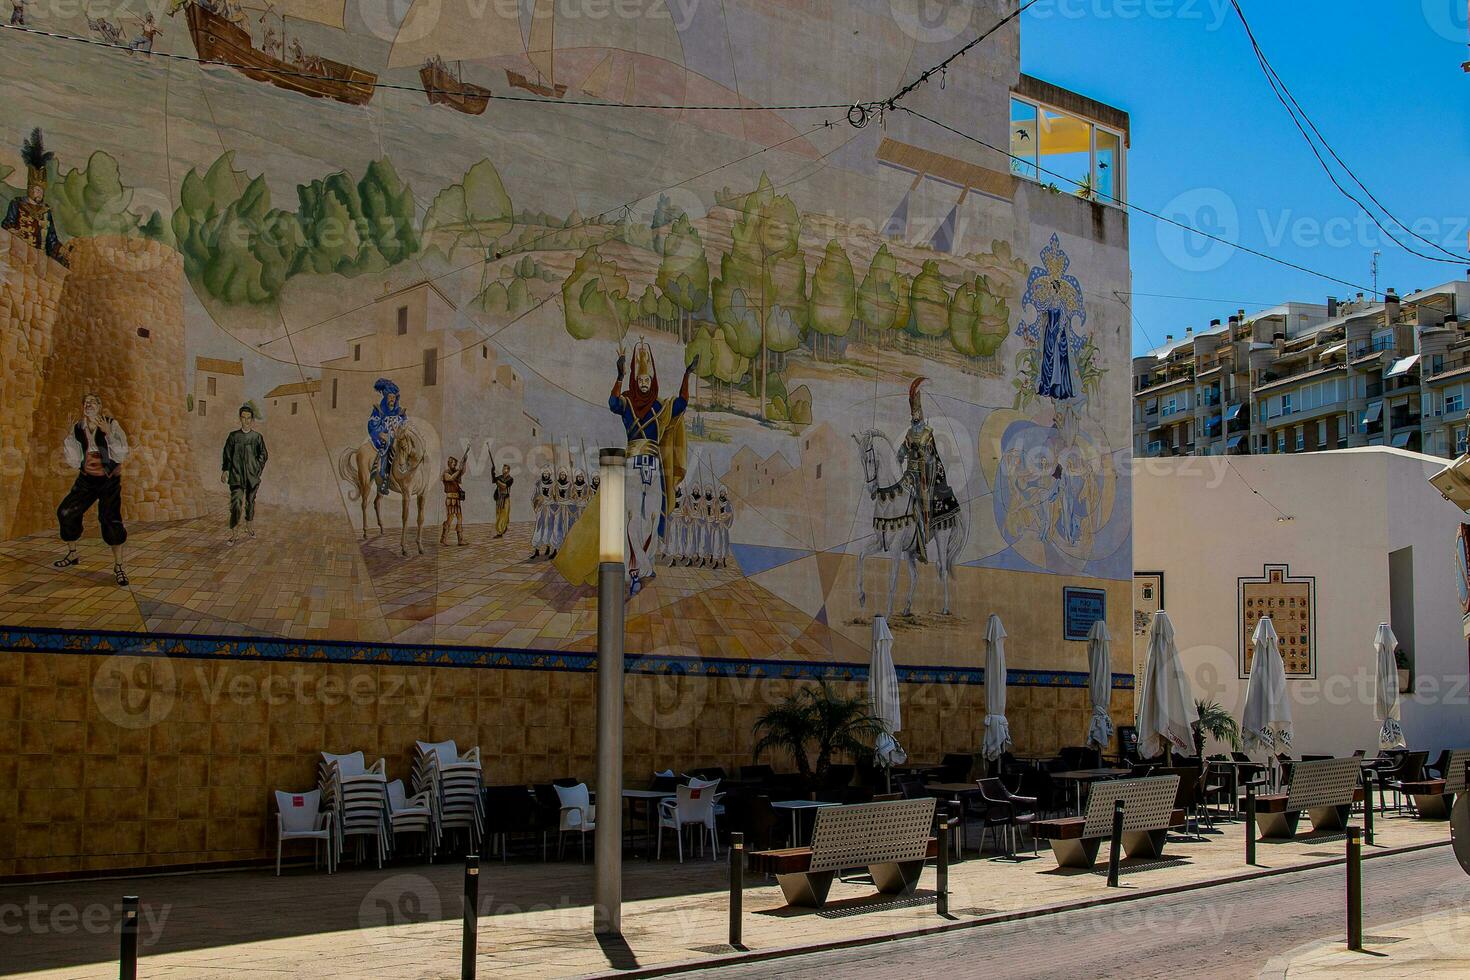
[
  {"x": 1250, "y": 823},
  {"x": 957, "y": 821},
  {"x": 471, "y": 916},
  {"x": 1368, "y": 807},
  {"x": 127, "y": 962},
  {"x": 941, "y": 868},
  {"x": 1355, "y": 888},
  {"x": 1115, "y": 852},
  {"x": 737, "y": 885}
]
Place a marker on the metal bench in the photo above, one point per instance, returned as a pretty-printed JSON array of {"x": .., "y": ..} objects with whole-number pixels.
[
  {"x": 891, "y": 839},
  {"x": 1433, "y": 798},
  {"x": 1148, "y": 813},
  {"x": 1325, "y": 788}
]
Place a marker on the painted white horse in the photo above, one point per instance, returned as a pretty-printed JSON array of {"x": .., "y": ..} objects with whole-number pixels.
[
  {"x": 409, "y": 475},
  {"x": 895, "y": 527}
]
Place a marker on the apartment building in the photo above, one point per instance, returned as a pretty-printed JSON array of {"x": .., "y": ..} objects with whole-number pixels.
[{"x": 1305, "y": 377}]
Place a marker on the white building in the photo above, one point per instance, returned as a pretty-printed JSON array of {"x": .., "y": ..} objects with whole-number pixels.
[{"x": 1356, "y": 537}]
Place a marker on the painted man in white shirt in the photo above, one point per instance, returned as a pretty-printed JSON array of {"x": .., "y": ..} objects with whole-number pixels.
[{"x": 96, "y": 448}]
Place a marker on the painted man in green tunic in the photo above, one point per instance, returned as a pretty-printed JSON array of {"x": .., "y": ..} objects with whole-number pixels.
[{"x": 240, "y": 468}]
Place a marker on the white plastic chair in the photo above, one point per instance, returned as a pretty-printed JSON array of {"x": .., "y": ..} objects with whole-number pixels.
[
  {"x": 411, "y": 815},
  {"x": 454, "y": 783},
  {"x": 578, "y": 816},
  {"x": 356, "y": 794},
  {"x": 299, "y": 816},
  {"x": 694, "y": 806}
]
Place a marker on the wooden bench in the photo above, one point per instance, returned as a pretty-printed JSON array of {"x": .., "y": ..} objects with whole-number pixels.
[
  {"x": 1148, "y": 813},
  {"x": 1325, "y": 789},
  {"x": 891, "y": 839},
  {"x": 1433, "y": 798}
]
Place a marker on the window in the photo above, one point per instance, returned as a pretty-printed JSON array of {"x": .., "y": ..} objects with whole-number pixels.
[
  {"x": 1462, "y": 438},
  {"x": 1023, "y": 139},
  {"x": 819, "y": 471},
  {"x": 484, "y": 352},
  {"x": 1108, "y": 162},
  {"x": 357, "y": 352},
  {"x": 1454, "y": 403},
  {"x": 431, "y": 367},
  {"x": 293, "y": 408},
  {"x": 1342, "y": 429},
  {"x": 1301, "y": 438},
  {"x": 1436, "y": 364},
  {"x": 1281, "y": 441},
  {"x": 1322, "y": 434},
  {"x": 209, "y": 385},
  {"x": 202, "y": 412},
  {"x": 1066, "y": 149},
  {"x": 334, "y": 392},
  {"x": 1286, "y": 404},
  {"x": 402, "y": 320}
]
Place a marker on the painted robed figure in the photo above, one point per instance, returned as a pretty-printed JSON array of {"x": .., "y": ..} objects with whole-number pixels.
[
  {"x": 923, "y": 471},
  {"x": 386, "y": 419}
]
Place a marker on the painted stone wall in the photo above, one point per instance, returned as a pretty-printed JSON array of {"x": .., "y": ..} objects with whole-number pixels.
[{"x": 111, "y": 762}]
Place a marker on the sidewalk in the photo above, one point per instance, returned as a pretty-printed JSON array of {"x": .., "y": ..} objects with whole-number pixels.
[
  {"x": 535, "y": 918},
  {"x": 1434, "y": 944}
]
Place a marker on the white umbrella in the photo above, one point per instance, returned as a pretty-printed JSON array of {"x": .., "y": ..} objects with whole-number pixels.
[
  {"x": 1166, "y": 710},
  {"x": 997, "y": 729},
  {"x": 883, "y": 693},
  {"x": 1386, "y": 705},
  {"x": 1267, "y": 716},
  {"x": 1099, "y": 685}
]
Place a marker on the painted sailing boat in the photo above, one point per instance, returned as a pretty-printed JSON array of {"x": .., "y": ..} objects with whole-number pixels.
[
  {"x": 220, "y": 40},
  {"x": 452, "y": 90}
]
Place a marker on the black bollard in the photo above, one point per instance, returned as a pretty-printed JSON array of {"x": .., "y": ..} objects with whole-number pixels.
[
  {"x": 127, "y": 961},
  {"x": 1355, "y": 888},
  {"x": 1115, "y": 850},
  {"x": 941, "y": 868},
  {"x": 737, "y": 885},
  {"x": 471, "y": 916},
  {"x": 1250, "y": 823},
  {"x": 1368, "y": 807}
]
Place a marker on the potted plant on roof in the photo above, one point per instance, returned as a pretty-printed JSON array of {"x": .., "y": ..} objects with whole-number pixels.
[
  {"x": 1401, "y": 661},
  {"x": 817, "y": 722},
  {"x": 1215, "y": 722}
]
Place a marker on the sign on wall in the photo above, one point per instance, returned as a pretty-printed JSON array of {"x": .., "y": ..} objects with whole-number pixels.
[
  {"x": 1080, "y": 609},
  {"x": 1291, "y": 602}
]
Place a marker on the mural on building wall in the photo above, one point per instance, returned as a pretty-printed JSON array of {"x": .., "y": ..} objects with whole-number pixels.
[
  {"x": 338, "y": 357},
  {"x": 1291, "y": 602}
]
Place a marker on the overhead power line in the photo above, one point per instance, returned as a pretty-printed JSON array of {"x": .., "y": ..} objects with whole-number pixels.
[{"x": 1304, "y": 123}]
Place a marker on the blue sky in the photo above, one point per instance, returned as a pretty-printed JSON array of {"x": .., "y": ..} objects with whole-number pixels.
[{"x": 1380, "y": 78}]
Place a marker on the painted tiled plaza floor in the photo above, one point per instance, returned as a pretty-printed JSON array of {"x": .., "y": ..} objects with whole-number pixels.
[
  {"x": 311, "y": 579},
  {"x": 404, "y": 922}
]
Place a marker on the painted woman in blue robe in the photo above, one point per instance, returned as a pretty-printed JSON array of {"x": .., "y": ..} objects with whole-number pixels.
[
  {"x": 388, "y": 416},
  {"x": 1057, "y": 299}
]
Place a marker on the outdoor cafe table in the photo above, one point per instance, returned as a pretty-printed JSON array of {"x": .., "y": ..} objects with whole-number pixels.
[
  {"x": 1082, "y": 777},
  {"x": 956, "y": 792},
  {"x": 650, "y": 799},
  {"x": 795, "y": 807}
]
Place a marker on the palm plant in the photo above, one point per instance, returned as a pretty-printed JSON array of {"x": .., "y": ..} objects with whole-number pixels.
[
  {"x": 837, "y": 724},
  {"x": 1215, "y": 722}
]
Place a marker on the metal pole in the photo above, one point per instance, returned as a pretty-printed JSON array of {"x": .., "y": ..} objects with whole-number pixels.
[
  {"x": 941, "y": 868},
  {"x": 737, "y": 885},
  {"x": 1115, "y": 850},
  {"x": 468, "y": 941},
  {"x": 1355, "y": 888},
  {"x": 1368, "y": 806},
  {"x": 956, "y": 817},
  {"x": 127, "y": 961},
  {"x": 1250, "y": 822},
  {"x": 607, "y": 914}
]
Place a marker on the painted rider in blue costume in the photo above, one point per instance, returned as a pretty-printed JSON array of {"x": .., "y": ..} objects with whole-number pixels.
[{"x": 383, "y": 425}]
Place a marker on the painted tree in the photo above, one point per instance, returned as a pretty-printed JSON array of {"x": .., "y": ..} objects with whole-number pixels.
[
  {"x": 760, "y": 296},
  {"x": 236, "y": 247},
  {"x": 834, "y": 297},
  {"x": 595, "y": 298},
  {"x": 930, "y": 300},
  {"x": 979, "y": 321},
  {"x": 881, "y": 295},
  {"x": 474, "y": 213},
  {"x": 683, "y": 271},
  {"x": 719, "y": 365}
]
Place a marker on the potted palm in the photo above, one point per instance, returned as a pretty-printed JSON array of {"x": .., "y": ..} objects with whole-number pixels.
[
  {"x": 1401, "y": 661},
  {"x": 1215, "y": 722},
  {"x": 817, "y": 722}
]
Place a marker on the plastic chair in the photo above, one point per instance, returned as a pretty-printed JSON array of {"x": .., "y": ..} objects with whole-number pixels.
[
  {"x": 578, "y": 816},
  {"x": 694, "y": 806},
  {"x": 299, "y": 816}
]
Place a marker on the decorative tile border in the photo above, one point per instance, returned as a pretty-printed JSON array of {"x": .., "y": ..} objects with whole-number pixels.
[{"x": 195, "y": 647}]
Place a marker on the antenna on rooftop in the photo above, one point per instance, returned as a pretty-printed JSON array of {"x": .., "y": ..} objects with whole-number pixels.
[{"x": 1376, "y": 255}]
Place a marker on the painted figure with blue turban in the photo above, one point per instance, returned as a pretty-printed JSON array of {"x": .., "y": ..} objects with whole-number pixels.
[{"x": 383, "y": 425}]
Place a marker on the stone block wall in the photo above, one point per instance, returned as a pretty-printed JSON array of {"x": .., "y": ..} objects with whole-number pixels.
[{"x": 110, "y": 762}]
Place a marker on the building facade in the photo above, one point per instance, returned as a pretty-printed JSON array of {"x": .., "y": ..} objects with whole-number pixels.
[{"x": 1304, "y": 377}]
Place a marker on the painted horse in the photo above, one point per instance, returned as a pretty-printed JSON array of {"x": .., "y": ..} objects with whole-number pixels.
[{"x": 409, "y": 475}]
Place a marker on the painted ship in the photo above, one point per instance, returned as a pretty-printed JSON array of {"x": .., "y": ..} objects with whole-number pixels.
[
  {"x": 442, "y": 88},
  {"x": 222, "y": 42}
]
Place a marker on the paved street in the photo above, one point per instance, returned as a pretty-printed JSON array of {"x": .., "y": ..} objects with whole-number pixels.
[{"x": 1228, "y": 931}]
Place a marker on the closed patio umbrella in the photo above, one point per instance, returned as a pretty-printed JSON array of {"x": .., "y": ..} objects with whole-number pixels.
[
  {"x": 997, "y": 729},
  {"x": 1266, "y": 721},
  {"x": 1166, "y": 711},
  {"x": 1099, "y": 685},
  {"x": 883, "y": 694},
  {"x": 1386, "y": 704}
]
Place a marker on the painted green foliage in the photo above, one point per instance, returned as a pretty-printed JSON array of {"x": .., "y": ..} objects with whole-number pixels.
[
  {"x": 236, "y": 247},
  {"x": 834, "y": 296},
  {"x": 595, "y": 298},
  {"x": 683, "y": 272},
  {"x": 930, "y": 301},
  {"x": 355, "y": 228},
  {"x": 978, "y": 319},
  {"x": 471, "y": 214}
]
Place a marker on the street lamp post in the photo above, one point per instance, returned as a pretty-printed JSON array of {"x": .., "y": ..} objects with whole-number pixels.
[{"x": 607, "y": 908}]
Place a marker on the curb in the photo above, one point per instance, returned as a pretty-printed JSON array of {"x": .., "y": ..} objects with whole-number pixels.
[{"x": 785, "y": 952}]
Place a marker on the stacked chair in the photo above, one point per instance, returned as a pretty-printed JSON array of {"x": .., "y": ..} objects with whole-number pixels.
[
  {"x": 356, "y": 794},
  {"x": 411, "y": 815},
  {"x": 454, "y": 786}
]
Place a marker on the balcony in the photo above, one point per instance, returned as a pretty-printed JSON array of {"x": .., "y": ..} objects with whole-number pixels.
[
  {"x": 1405, "y": 420},
  {"x": 1374, "y": 390},
  {"x": 1368, "y": 348}
]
